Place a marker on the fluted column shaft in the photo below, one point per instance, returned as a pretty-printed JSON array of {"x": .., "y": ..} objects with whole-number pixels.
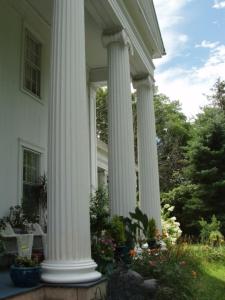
[
  {"x": 68, "y": 237},
  {"x": 93, "y": 139},
  {"x": 122, "y": 178},
  {"x": 149, "y": 191}
]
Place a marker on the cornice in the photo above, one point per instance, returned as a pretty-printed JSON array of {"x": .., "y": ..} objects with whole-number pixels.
[{"x": 127, "y": 23}]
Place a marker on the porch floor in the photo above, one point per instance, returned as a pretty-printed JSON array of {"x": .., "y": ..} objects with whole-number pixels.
[
  {"x": 7, "y": 288},
  {"x": 85, "y": 290}
]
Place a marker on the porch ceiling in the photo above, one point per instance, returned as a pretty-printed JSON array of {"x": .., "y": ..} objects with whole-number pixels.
[{"x": 114, "y": 15}]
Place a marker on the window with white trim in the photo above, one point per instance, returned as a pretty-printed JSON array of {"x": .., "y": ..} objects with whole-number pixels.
[
  {"x": 32, "y": 64},
  {"x": 31, "y": 172}
]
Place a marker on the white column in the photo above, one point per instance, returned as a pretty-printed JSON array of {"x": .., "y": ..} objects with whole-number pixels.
[
  {"x": 93, "y": 139},
  {"x": 122, "y": 177},
  {"x": 68, "y": 239},
  {"x": 147, "y": 151}
]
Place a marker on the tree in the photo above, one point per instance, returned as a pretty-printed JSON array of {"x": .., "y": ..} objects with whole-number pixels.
[
  {"x": 206, "y": 156},
  {"x": 173, "y": 132},
  {"x": 218, "y": 96},
  {"x": 102, "y": 115}
]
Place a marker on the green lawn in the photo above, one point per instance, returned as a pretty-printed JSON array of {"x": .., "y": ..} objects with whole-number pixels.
[{"x": 211, "y": 282}]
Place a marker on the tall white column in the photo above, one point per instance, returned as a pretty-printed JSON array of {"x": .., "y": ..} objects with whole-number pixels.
[
  {"x": 93, "y": 139},
  {"x": 122, "y": 177},
  {"x": 147, "y": 151},
  {"x": 68, "y": 238}
]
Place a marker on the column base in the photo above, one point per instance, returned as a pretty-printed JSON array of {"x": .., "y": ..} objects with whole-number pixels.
[{"x": 69, "y": 271}]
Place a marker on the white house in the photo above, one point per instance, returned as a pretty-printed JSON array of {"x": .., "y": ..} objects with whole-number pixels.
[{"x": 53, "y": 56}]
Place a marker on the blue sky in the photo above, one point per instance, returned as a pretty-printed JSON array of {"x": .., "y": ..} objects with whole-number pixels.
[{"x": 194, "y": 38}]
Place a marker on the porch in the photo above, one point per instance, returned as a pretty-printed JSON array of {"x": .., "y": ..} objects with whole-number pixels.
[{"x": 53, "y": 111}]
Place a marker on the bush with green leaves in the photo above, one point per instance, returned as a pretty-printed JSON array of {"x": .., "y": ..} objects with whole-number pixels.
[
  {"x": 170, "y": 227},
  {"x": 103, "y": 250},
  {"x": 210, "y": 232},
  {"x": 99, "y": 211},
  {"x": 216, "y": 238},
  {"x": 117, "y": 230},
  {"x": 175, "y": 269}
]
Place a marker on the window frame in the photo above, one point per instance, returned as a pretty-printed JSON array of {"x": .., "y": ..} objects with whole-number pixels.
[
  {"x": 37, "y": 37},
  {"x": 33, "y": 148}
]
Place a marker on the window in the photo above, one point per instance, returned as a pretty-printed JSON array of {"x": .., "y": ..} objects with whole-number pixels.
[
  {"x": 31, "y": 173},
  {"x": 32, "y": 64}
]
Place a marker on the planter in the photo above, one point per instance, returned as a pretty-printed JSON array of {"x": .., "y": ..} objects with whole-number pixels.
[{"x": 25, "y": 276}]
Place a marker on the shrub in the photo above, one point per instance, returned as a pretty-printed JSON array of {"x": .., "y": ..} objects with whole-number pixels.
[
  {"x": 99, "y": 211},
  {"x": 176, "y": 270},
  {"x": 170, "y": 227},
  {"x": 210, "y": 233},
  {"x": 103, "y": 253},
  {"x": 151, "y": 231},
  {"x": 216, "y": 238},
  {"x": 117, "y": 230}
]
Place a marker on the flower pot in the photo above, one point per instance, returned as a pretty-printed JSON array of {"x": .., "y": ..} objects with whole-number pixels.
[{"x": 25, "y": 276}]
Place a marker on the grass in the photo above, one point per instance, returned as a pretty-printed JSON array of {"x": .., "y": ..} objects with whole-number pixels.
[
  {"x": 211, "y": 280},
  {"x": 211, "y": 283},
  {"x": 186, "y": 272}
]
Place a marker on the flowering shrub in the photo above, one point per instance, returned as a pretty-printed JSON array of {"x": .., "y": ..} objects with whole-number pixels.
[
  {"x": 175, "y": 269},
  {"x": 103, "y": 253},
  {"x": 170, "y": 227}
]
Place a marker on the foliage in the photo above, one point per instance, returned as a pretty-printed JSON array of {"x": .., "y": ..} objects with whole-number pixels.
[
  {"x": 102, "y": 115},
  {"x": 130, "y": 231},
  {"x": 208, "y": 253},
  {"x": 206, "y": 156},
  {"x": 184, "y": 271},
  {"x": 175, "y": 269},
  {"x": 99, "y": 211},
  {"x": 170, "y": 227},
  {"x": 187, "y": 206},
  {"x": 141, "y": 220},
  {"x": 218, "y": 94},
  {"x": 210, "y": 231},
  {"x": 216, "y": 238},
  {"x": 151, "y": 231},
  {"x": 103, "y": 253},
  {"x": 25, "y": 262},
  {"x": 15, "y": 218},
  {"x": 2, "y": 224},
  {"x": 117, "y": 230},
  {"x": 173, "y": 133}
]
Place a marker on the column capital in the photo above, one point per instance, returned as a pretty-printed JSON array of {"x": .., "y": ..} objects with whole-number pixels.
[
  {"x": 143, "y": 81},
  {"x": 120, "y": 37}
]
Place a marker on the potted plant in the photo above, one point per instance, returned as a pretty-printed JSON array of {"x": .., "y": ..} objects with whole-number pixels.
[{"x": 25, "y": 272}]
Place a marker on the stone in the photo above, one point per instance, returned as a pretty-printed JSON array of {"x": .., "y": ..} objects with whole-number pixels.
[
  {"x": 129, "y": 285},
  {"x": 150, "y": 287}
]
